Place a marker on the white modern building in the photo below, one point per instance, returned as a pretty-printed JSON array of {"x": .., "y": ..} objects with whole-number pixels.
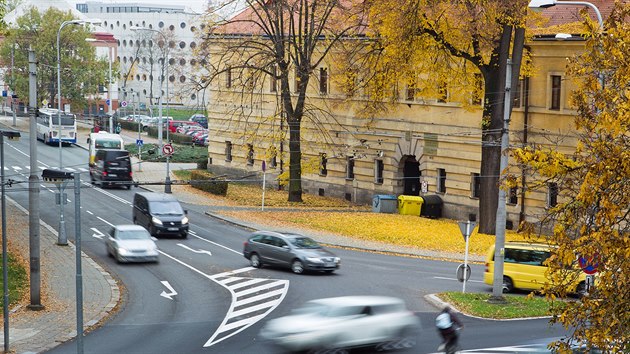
[{"x": 141, "y": 31}]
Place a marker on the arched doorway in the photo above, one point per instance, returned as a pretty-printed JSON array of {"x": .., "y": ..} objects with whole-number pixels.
[{"x": 411, "y": 175}]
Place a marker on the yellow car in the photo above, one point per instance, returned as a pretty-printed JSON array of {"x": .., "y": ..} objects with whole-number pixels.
[{"x": 523, "y": 268}]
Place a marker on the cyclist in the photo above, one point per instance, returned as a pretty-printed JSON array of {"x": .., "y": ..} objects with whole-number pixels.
[{"x": 448, "y": 325}]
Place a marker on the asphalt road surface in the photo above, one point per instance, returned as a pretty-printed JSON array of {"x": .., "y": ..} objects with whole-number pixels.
[{"x": 195, "y": 299}]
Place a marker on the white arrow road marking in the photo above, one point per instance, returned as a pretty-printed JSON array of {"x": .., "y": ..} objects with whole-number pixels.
[
  {"x": 97, "y": 233},
  {"x": 192, "y": 250},
  {"x": 170, "y": 288}
]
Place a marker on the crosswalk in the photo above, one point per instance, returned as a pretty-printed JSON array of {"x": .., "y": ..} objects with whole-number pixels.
[
  {"x": 252, "y": 300},
  {"x": 19, "y": 169}
]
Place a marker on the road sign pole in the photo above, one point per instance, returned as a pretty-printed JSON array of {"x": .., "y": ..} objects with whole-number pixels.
[
  {"x": 465, "y": 265},
  {"x": 466, "y": 228},
  {"x": 264, "y": 168}
]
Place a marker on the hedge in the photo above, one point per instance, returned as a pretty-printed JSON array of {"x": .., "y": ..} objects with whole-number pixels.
[{"x": 208, "y": 183}]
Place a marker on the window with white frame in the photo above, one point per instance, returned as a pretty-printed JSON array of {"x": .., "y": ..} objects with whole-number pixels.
[
  {"x": 552, "y": 194},
  {"x": 378, "y": 171},
  {"x": 323, "y": 161},
  {"x": 556, "y": 92},
  {"x": 513, "y": 196},
  {"x": 475, "y": 185},
  {"x": 228, "y": 151},
  {"x": 323, "y": 81},
  {"x": 350, "y": 167},
  {"x": 250, "y": 154},
  {"x": 273, "y": 81},
  {"x": 228, "y": 77},
  {"x": 441, "y": 180}
]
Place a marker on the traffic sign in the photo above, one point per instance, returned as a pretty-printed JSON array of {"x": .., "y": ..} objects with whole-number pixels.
[
  {"x": 139, "y": 142},
  {"x": 108, "y": 101},
  {"x": 123, "y": 104},
  {"x": 588, "y": 264},
  {"x": 45, "y": 103},
  {"x": 463, "y": 268},
  {"x": 168, "y": 149}
]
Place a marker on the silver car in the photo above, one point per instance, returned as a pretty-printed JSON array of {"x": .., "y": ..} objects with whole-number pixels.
[
  {"x": 328, "y": 325},
  {"x": 131, "y": 243},
  {"x": 298, "y": 252}
]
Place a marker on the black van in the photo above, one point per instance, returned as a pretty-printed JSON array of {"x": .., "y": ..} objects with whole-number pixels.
[
  {"x": 112, "y": 167},
  {"x": 160, "y": 214}
]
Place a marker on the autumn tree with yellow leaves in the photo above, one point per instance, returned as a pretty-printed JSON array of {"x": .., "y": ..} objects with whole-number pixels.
[
  {"x": 277, "y": 43},
  {"x": 428, "y": 44},
  {"x": 592, "y": 219}
]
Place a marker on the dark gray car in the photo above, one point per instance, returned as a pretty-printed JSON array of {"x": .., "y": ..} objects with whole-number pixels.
[{"x": 298, "y": 252}]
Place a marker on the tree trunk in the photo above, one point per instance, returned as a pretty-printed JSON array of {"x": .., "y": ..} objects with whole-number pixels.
[
  {"x": 295, "y": 161},
  {"x": 491, "y": 135}
]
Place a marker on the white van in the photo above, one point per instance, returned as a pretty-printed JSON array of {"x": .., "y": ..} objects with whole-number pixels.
[{"x": 103, "y": 141}]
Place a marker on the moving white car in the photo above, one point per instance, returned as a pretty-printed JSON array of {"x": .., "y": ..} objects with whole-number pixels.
[
  {"x": 345, "y": 322},
  {"x": 131, "y": 243}
]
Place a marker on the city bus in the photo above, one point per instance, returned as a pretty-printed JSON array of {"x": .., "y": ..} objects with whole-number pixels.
[{"x": 48, "y": 126}]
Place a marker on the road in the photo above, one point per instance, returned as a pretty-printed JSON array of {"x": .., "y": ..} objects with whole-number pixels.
[{"x": 204, "y": 297}]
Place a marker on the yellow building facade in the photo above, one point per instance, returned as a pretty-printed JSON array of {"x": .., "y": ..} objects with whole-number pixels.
[{"x": 417, "y": 146}]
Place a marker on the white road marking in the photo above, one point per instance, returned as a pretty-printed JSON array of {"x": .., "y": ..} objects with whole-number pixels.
[
  {"x": 468, "y": 281},
  {"x": 69, "y": 169},
  {"x": 89, "y": 212},
  {"x": 216, "y": 244},
  {"x": 17, "y": 168},
  {"x": 171, "y": 292},
  {"x": 195, "y": 251},
  {"x": 105, "y": 221},
  {"x": 99, "y": 235}
]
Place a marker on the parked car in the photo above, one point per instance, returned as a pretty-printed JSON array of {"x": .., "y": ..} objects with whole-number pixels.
[
  {"x": 183, "y": 129},
  {"x": 199, "y": 118},
  {"x": 160, "y": 214},
  {"x": 134, "y": 118},
  {"x": 174, "y": 124},
  {"x": 200, "y": 139},
  {"x": 298, "y": 252},
  {"x": 345, "y": 322},
  {"x": 524, "y": 268},
  {"x": 131, "y": 243}
]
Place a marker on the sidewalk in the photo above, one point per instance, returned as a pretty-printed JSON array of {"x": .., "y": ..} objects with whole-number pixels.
[{"x": 37, "y": 331}]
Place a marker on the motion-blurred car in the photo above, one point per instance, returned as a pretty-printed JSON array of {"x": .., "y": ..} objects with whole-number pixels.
[
  {"x": 345, "y": 322},
  {"x": 131, "y": 243},
  {"x": 300, "y": 253}
]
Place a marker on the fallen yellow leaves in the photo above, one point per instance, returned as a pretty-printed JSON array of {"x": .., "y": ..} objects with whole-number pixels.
[{"x": 403, "y": 230}]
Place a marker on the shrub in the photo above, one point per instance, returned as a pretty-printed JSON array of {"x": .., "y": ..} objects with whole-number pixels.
[
  {"x": 202, "y": 164},
  {"x": 208, "y": 183}
]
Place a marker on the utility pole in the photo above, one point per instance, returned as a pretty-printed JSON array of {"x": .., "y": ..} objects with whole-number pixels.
[
  {"x": 13, "y": 86},
  {"x": 497, "y": 288},
  {"x": 33, "y": 187}
]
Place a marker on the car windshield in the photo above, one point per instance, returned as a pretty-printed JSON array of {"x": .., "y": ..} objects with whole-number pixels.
[
  {"x": 133, "y": 235},
  {"x": 166, "y": 208},
  {"x": 304, "y": 242}
]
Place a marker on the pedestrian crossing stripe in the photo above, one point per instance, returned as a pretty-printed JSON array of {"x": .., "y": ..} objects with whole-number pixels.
[
  {"x": 252, "y": 300},
  {"x": 535, "y": 348}
]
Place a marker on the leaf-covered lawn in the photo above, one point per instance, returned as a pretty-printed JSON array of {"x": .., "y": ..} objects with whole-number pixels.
[
  {"x": 345, "y": 218},
  {"x": 403, "y": 230}
]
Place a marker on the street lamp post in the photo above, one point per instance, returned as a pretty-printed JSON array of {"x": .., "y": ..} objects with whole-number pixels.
[
  {"x": 62, "y": 238},
  {"x": 57, "y": 177},
  {"x": 167, "y": 180},
  {"x": 110, "y": 108},
  {"x": 12, "y": 135}
]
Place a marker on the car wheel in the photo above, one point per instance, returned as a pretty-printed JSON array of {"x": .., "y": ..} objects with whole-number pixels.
[
  {"x": 326, "y": 350},
  {"x": 297, "y": 266},
  {"x": 128, "y": 186},
  {"x": 508, "y": 285},
  {"x": 185, "y": 235},
  {"x": 254, "y": 261}
]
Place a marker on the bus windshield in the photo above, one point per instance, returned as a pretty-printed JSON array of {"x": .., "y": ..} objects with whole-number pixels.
[
  {"x": 65, "y": 120},
  {"x": 107, "y": 144}
]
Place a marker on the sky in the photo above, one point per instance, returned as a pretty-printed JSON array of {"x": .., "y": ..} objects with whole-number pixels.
[{"x": 195, "y": 5}]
